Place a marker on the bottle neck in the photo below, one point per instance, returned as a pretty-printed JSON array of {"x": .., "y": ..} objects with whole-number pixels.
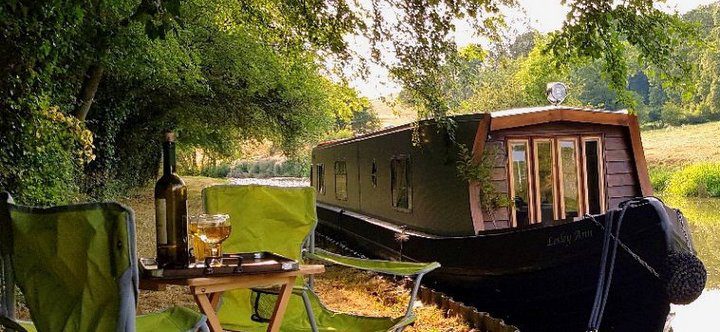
[{"x": 168, "y": 158}]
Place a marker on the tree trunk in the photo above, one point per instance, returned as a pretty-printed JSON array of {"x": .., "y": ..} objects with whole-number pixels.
[{"x": 87, "y": 92}]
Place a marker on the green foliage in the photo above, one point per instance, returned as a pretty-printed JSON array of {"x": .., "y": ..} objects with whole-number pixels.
[
  {"x": 597, "y": 32},
  {"x": 352, "y": 112},
  {"x": 698, "y": 180},
  {"x": 223, "y": 73},
  {"x": 42, "y": 159},
  {"x": 479, "y": 172},
  {"x": 270, "y": 167},
  {"x": 229, "y": 72},
  {"x": 365, "y": 121},
  {"x": 514, "y": 74},
  {"x": 503, "y": 82},
  {"x": 216, "y": 171},
  {"x": 604, "y": 30},
  {"x": 660, "y": 177}
]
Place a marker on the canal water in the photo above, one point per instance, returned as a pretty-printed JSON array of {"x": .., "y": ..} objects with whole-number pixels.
[{"x": 703, "y": 214}]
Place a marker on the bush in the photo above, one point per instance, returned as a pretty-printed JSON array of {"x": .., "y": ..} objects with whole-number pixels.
[
  {"x": 699, "y": 180},
  {"x": 270, "y": 167},
  {"x": 216, "y": 171},
  {"x": 43, "y": 156},
  {"x": 660, "y": 177}
]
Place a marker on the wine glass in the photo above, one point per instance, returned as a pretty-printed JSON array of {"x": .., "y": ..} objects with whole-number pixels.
[{"x": 210, "y": 230}]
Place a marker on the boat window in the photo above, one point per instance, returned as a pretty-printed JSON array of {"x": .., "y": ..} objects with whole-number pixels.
[
  {"x": 341, "y": 181},
  {"x": 569, "y": 179},
  {"x": 545, "y": 179},
  {"x": 320, "y": 184},
  {"x": 400, "y": 188},
  {"x": 559, "y": 179},
  {"x": 594, "y": 182},
  {"x": 373, "y": 174},
  {"x": 520, "y": 182}
]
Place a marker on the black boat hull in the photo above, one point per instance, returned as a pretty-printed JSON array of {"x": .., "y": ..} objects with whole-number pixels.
[{"x": 541, "y": 278}]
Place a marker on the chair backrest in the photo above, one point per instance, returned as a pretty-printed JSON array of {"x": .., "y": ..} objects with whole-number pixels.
[
  {"x": 264, "y": 218},
  {"x": 75, "y": 265},
  {"x": 276, "y": 219}
]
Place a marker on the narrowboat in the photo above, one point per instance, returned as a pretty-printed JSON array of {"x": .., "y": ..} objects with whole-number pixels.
[{"x": 581, "y": 243}]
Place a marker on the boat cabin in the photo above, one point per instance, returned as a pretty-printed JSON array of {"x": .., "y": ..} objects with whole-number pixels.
[{"x": 554, "y": 163}]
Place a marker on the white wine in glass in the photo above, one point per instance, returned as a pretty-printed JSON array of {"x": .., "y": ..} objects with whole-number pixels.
[{"x": 209, "y": 231}]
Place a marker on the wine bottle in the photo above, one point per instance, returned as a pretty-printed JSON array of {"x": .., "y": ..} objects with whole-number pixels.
[{"x": 171, "y": 217}]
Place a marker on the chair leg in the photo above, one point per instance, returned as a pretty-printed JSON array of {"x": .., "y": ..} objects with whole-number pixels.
[{"x": 309, "y": 311}]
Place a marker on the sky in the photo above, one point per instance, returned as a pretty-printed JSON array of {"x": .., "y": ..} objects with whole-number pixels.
[{"x": 542, "y": 15}]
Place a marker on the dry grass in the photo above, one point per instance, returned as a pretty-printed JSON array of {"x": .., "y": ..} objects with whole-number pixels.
[
  {"x": 392, "y": 113},
  {"x": 678, "y": 146},
  {"x": 340, "y": 288}
]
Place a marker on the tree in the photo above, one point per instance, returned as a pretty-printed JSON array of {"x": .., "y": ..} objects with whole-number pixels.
[
  {"x": 603, "y": 30},
  {"x": 219, "y": 72}
]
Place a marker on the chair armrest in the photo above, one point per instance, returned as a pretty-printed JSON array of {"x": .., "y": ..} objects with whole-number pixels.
[
  {"x": 405, "y": 321},
  {"x": 10, "y": 324},
  {"x": 375, "y": 265}
]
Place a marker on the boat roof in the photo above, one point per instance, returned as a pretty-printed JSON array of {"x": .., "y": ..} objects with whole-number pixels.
[
  {"x": 538, "y": 109},
  {"x": 515, "y": 117}
]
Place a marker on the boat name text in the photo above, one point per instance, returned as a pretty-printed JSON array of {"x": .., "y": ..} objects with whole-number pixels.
[{"x": 567, "y": 238}]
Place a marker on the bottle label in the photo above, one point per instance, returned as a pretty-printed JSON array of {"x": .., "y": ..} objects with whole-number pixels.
[{"x": 161, "y": 221}]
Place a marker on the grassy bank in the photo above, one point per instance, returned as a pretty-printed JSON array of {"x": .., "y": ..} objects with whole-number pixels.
[
  {"x": 673, "y": 147},
  {"x": 341, "y": 289},
  {"x": 685, "y": 160}
]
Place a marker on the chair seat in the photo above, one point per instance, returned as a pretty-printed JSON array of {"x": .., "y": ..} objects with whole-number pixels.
[{"x": 174, "y": 319}]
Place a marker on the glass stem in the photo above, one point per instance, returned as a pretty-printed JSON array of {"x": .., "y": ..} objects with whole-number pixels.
[{"x": 214, "y": 250}]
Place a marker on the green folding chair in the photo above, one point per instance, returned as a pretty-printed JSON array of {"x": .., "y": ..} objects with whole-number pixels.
[
  {"x": 282, "y": 220},
  {"x": 76, "y": 267}
]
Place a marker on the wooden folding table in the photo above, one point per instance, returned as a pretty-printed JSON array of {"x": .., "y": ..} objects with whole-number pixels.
[{"x": 207, "y": 290}]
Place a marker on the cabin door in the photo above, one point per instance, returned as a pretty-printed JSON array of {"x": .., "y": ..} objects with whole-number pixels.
[{"x": 555, "y": 179}]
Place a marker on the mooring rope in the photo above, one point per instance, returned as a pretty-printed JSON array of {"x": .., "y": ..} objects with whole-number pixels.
[
  {"x": 629, "y": 251},
  {"x": 607, "y": 268},
  {"x": 601, "y": 276}
]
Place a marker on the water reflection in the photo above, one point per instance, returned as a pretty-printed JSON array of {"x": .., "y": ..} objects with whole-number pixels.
[{"x": 703, "y": 214}]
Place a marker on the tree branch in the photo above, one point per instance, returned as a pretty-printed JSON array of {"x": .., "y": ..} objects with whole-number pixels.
[{"x": 87, "y": 92}]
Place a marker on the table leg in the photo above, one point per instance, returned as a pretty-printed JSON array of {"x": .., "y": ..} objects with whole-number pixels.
[
  {"x": 207, "y": 308},
  {"x": 281, "y": 305},
  {"x": 215, "y": 299}
]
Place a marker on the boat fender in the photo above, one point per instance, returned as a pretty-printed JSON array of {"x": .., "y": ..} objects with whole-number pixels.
[{"x": 684, "y": 277}]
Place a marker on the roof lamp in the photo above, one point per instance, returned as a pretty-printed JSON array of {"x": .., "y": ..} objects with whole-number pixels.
[{"x": 556, "y": 92}]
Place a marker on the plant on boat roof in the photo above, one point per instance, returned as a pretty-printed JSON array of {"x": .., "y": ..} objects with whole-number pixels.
[{"x": 479, "y": 170}]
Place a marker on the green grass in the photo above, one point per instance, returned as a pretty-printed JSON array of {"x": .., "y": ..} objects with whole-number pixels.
[
  {"x": 660, "y": 177},
  {"x": 684, "y": 160},
  {"x": 697, "y": 180}
]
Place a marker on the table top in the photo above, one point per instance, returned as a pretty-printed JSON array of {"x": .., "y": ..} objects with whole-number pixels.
[{"x": 254, "y": 278}]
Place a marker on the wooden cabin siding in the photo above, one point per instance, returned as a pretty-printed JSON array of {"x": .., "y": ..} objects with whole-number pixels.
[
  {"x": 620, "y": 176},
  {"x": 440, "y": 198},
  {"x": 499, "y": 178}
]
